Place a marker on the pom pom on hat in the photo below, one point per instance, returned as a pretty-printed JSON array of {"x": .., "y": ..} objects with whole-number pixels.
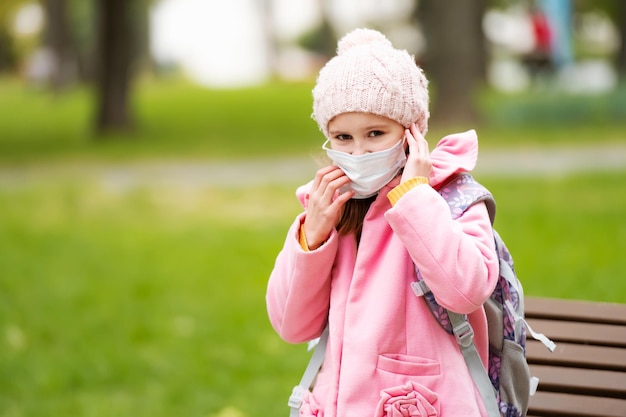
[
  {"x": 369, "y": 75},
  {"x": 361, "y": 37}
]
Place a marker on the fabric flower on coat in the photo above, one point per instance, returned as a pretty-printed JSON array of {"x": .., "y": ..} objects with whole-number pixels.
[
  {"x": 310, "y": 407},
  {"x": 409, "y": 400}
]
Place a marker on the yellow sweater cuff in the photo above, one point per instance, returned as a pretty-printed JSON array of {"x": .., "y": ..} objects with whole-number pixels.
[
  {"x": 302, "y": 239},
  {"x": 403, "y": 188}
]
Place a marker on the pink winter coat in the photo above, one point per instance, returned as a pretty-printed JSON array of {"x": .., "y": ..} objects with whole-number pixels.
[{"x": 385, "y": 350}]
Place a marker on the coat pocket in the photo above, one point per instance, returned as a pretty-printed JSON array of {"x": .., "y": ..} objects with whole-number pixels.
[{"x": 408, "y": 365}]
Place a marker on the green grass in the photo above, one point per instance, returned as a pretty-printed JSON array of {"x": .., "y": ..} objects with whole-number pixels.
[
  {"x": 149, "y": 301},
  {"x": 567, "y": 234}
]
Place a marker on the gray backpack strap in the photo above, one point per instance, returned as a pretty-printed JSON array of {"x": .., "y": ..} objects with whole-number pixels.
[
  {"x": 311, "y": 371},
  {"x": 461, "y": 193},
  {"x": 464, "y": 335}
]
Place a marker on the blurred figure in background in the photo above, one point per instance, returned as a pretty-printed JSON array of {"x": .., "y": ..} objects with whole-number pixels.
[{"x": 539, "y": 61}]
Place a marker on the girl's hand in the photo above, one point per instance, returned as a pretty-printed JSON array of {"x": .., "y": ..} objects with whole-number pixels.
[
  {"x": 418, "y": 162},
  {"x": 322, "y": 213}
]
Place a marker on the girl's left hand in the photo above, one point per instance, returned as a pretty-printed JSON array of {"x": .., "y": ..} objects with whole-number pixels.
[{"x": 418, "y": 163}]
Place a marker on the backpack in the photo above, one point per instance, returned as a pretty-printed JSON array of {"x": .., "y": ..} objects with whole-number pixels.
[{"x": 506, "y": 385}]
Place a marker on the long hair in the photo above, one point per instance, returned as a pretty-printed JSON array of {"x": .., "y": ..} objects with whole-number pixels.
[{"x": 352, "y": 216}]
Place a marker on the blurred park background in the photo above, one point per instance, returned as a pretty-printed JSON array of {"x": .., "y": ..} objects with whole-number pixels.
[{"x": 150, "y": 149}]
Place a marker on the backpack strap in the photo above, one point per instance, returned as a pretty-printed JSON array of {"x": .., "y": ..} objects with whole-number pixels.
[
  {"x": 462, "y": 192},
  {"x": 464, "y": 335},
  {"x": 311, "y": 371},
  {"x": 463, "y": 332}
]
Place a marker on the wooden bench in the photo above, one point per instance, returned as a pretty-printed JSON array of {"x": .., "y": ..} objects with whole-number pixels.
[{"x": 586, "y": 374}]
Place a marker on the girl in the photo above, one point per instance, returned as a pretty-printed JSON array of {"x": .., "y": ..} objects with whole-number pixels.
[{"x": 369, "y": 220}]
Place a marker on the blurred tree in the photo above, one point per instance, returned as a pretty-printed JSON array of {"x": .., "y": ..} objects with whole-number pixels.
[
  {"x": 113, "y": 65},
  {"x": 82, "y": 19},
  {"x": 620, "y": 20},
  {"x": 121, "y": 49},
  {"x": 455, "y": 57},
  {"x": 59, "y": 41},
  {"x": 616, "y": 11},
  {"x": 322, "y": 38},
  {"x": 8, "y": 55},
  {"x": 59, "y": 38}
]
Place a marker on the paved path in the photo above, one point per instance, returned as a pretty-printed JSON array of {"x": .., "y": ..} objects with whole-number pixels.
[
  {"x": 520, "y": 162},
  {"x": 553, "y": 160}
]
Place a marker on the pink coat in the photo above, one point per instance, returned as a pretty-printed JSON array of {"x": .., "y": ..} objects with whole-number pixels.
[{"x": 385, "y": 350}]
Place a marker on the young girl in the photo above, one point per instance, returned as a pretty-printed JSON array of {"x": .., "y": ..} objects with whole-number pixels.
[{"x": 369, "y": 219}]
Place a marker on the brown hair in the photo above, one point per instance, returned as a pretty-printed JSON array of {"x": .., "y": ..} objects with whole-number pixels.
[{"x": 352, "y": 216}]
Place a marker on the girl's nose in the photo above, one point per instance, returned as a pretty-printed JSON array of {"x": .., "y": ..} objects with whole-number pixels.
[{"x": 359, "y": 149}]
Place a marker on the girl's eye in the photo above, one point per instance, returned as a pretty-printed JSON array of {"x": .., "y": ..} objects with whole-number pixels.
[
  {"x": 374, "y": 133},
  {"x": 343, "y": 137}
]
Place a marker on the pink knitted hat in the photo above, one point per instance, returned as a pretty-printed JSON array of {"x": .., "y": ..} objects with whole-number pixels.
[{"x": 369, "y": 75}]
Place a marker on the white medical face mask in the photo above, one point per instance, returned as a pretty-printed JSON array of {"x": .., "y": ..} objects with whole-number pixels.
[{"x": 371, "y": 171}]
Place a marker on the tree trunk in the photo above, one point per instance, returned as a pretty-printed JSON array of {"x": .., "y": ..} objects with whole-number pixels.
[
  {"x": 455, "y": 58},
  {"x": 115, "y": 46},
  {"x": 620, "y": 20},
  {"x": 7, "y": 54},
  {"x": 59, "y": 41}
]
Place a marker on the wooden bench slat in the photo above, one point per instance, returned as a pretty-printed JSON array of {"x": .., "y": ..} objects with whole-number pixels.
[
  {"x": 586, "y": 375},
  {"x": 577, "y": 310},
  {"x": 588, "y": 333},
  {"x": 579, "y": 356},
  {"x": 569, "y": 405},
  {"x": 580, "y": 381}
]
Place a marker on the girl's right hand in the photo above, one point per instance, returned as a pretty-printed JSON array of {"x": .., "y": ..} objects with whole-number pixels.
[
  {"x": 323, "y": 209},
  {"x": 418, "y": 163}
]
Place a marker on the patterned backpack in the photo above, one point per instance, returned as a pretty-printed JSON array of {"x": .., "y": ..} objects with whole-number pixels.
[{"x": 507, "y": 385}]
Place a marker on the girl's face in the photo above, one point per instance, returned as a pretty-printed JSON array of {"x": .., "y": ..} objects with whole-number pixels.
[{"x": 361, "y": 133}]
